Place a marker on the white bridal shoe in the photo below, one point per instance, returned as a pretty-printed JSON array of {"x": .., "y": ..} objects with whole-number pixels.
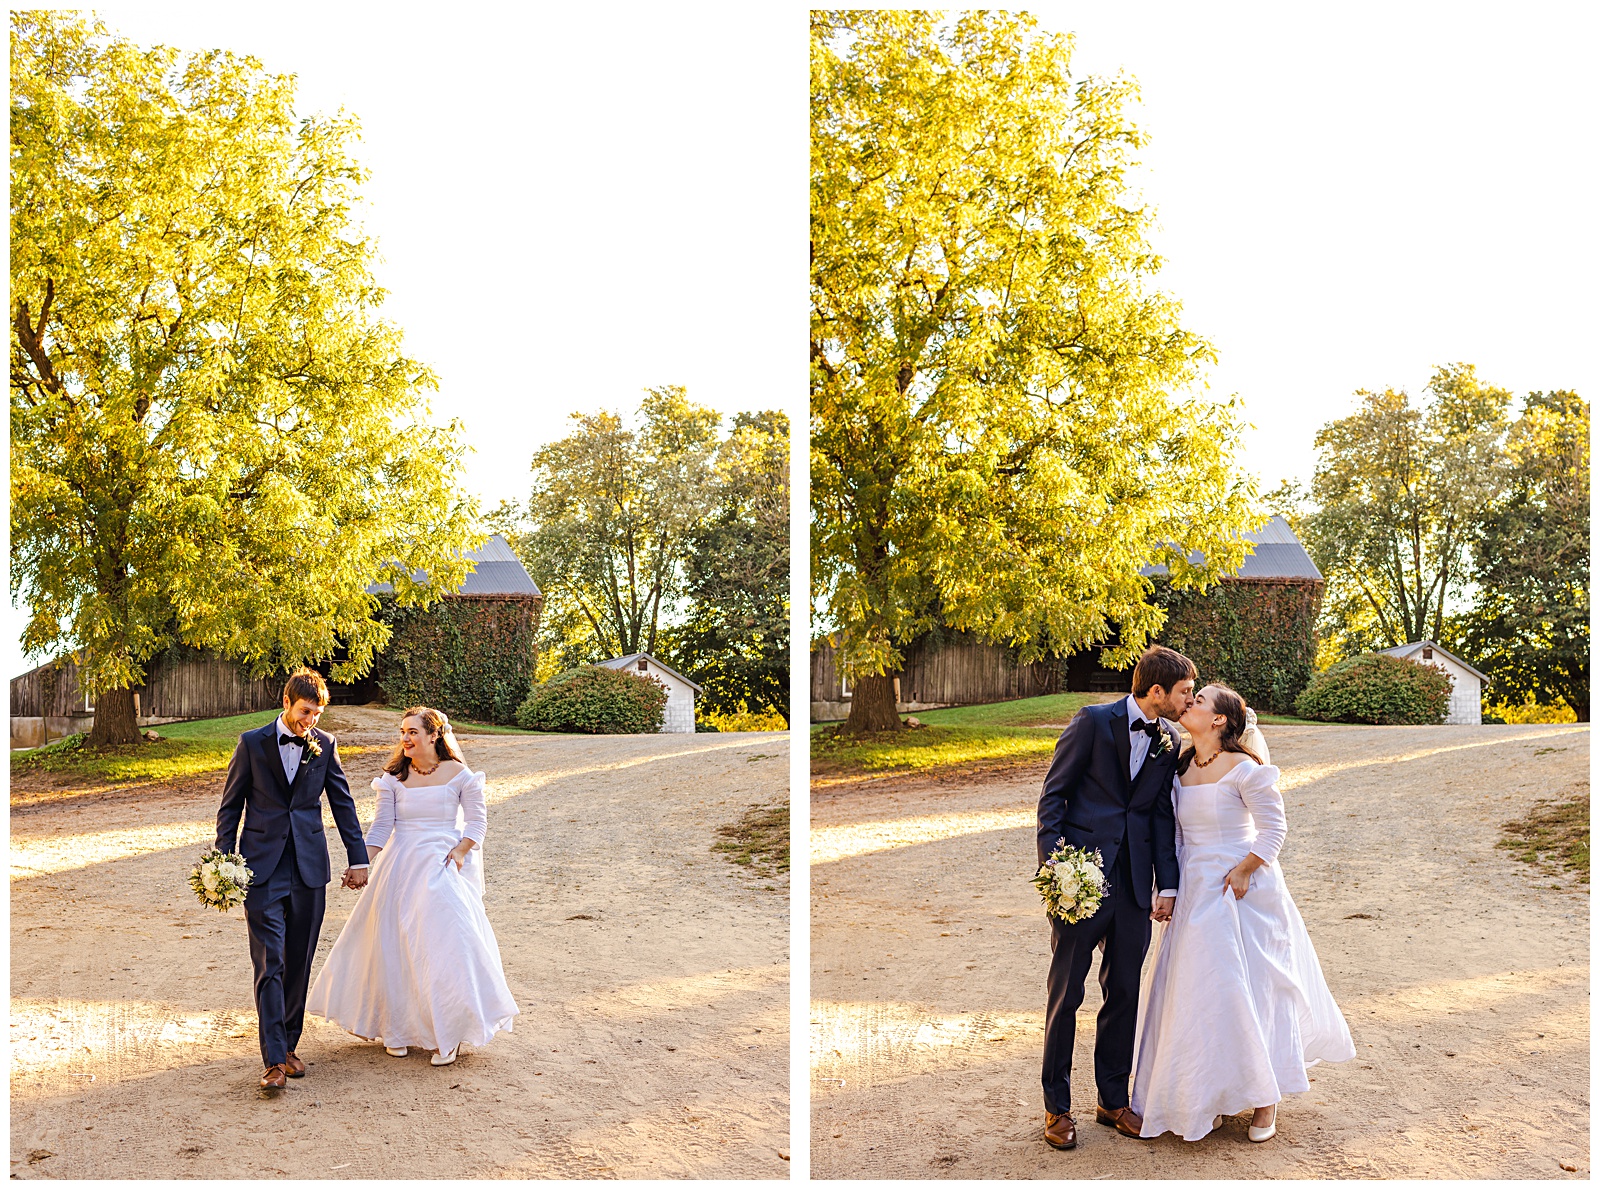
[
  {"x": 444, "y": 1059},
  {"x": 395, "y": 1051},
  {"x": 1262, "y": 1134}
]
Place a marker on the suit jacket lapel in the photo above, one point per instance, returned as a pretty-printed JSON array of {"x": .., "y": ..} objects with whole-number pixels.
[
  {"x": 1120, "y": 741},
  {"x": 269, "y": 742}
]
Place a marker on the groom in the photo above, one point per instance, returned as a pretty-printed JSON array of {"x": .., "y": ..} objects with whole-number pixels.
[
  {"x": 1110, "y": 787},
  {"x": 276, "y": 779}
]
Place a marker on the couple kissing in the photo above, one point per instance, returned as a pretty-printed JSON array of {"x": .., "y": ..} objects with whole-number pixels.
[{"x": 1234, "y": 1007}]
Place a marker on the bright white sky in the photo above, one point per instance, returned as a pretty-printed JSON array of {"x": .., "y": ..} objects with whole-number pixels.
[{"x": 575, "y": 203}]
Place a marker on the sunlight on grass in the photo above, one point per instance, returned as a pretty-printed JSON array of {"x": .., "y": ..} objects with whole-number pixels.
[
  {"x": 1019, "y": 712},
  {"x": 927, "y": 748},
  {"x": 832, "y": 843}
]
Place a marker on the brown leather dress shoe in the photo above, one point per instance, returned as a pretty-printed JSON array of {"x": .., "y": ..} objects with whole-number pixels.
[
  {"x": 274, "y": 1078},
  {"x": 293, "y": 1066},
  {"x": 1059, "y": 1131},
  {"x": 1122, "y": 1119}
]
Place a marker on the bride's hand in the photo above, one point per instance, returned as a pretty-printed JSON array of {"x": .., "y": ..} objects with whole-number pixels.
[
  {"x": 458, "y": 855},
  {"x": 1238, "y": 879}
]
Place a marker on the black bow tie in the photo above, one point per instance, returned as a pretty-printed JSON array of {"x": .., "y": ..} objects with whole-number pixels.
[
  {"x": 1150, "y": 729},
  {"x": 293, "y": 739}
]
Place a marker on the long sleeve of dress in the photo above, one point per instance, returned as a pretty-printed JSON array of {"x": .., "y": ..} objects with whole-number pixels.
[
  {"x": 475, "y": 808},
  {"x": 1177, "y": 823},
  {"x": 383, "y": 823},
  {"x": 1259, "y": 789}
]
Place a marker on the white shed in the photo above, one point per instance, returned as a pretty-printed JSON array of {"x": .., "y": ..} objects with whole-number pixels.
[
  {"x": 679, "y": 714},
  {"x": 1466, "y": 699}
]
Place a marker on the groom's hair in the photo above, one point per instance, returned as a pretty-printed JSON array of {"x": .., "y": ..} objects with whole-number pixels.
[
  {"x": 1161, "y": 666},
  {"x": 307, "y": 684}
]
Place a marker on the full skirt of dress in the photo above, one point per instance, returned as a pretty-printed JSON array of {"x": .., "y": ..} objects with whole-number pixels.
[
  {"x": 1235, "y": 1007},
  {"x": 417, "y": 964}
]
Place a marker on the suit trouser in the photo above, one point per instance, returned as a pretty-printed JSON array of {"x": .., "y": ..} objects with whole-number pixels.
[
  {"x": 284, "y": 925},
  {"x": 1124, "y": 926}
]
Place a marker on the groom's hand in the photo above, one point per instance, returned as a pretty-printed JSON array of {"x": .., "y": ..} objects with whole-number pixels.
[
  {"x": 1162, "y": 909},
  {"x": 354, "y": 877}
]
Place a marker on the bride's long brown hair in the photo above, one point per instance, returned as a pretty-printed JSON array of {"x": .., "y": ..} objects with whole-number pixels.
[
  {"x": 1227, "y": 703},
  {"x": 444, "y": 744}
]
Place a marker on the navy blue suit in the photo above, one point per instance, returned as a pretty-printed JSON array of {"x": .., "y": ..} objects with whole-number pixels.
[
  {"x": 1089, "y": 801},
  {"x": 285, "y": 847}
]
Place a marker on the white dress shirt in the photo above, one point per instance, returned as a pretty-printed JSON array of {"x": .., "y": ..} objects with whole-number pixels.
[
  {"x": 1138, "y": 749},
  {"x": 291, "y": 755}
]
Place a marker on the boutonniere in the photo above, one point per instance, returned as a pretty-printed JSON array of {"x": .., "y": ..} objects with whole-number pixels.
[
  {"x": 1165, "y": 745},
  {"x": 314, "y": 748}
]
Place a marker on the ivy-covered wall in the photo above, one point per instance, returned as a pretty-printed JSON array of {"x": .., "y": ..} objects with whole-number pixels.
[
  {"x": 471, "y": 656},
  {"x": 1258, "y": 636}
]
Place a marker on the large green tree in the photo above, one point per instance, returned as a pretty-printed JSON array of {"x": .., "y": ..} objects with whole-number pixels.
[
  {"x": 1529, "y": 624},
  {"x": 214, "y": 438},
  {"x": 995, "y": 435},
  {"x": 735, "y": 640},
  {"x": 1398, "y": 488},
  {"x": 613, "y": 508}
]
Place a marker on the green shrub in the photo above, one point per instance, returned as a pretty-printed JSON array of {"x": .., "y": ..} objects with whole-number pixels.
[
  {"x": 596, "y": 700},
  {"x": 1377, "y": 688}
]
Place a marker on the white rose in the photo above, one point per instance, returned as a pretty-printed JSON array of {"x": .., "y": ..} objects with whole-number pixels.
[{"x": 208, "y": 878}]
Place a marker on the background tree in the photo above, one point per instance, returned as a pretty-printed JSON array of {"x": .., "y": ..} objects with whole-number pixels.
[
  {"x": 214, "y": 439},
  {"x": 735, "y": 641},
  {"x": 1398, "y": 487},
  {"x": 994, "y": 436},
  {"x": 1528, "y": 628},
  {"x": 613, "y": 509}
]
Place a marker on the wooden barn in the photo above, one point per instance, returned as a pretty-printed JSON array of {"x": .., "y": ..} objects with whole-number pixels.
[
  {"x": 48, "y": 702},
  {"x": 1279, "y": 589},
  {"x": 1466, "y": 696}
]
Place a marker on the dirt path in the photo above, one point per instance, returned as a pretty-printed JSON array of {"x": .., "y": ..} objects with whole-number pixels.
[
  {"x": 1463, "y": 973},
  {"x": 652, "y": 977}
]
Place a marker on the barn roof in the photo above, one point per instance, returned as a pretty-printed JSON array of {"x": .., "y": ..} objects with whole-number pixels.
[
  {"x": 496, "y": 571},
  {"x": 624, "y": 662},
  {"x": 1407, "y": 651},
  {"x": 1278, "y": 555}
]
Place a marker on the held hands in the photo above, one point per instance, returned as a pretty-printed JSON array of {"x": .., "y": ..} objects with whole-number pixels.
[
  {"x": 1161, "y": 910},
  {"x": 355, "y": 878}
]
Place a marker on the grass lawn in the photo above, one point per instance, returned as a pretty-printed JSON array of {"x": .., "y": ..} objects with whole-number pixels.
[{"x": 191, "y": 749}]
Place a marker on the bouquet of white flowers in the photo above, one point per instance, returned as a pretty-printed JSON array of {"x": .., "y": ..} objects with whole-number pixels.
[
  {"x": 1071, "y": 883},
  {"x": 220, "y": 880}
]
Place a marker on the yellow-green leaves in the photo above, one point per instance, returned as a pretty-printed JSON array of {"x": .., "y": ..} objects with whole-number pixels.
[
  {"x": 214, "y": 436},
  {"x": 997, "y": 439}
]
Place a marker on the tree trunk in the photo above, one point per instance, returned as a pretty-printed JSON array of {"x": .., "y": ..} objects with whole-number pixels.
[
  {"x": 872, "y": 706},
  {"x": 114, "y": 720}
]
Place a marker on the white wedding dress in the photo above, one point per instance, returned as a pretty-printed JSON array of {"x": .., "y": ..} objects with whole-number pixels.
[
  {"x": 417, "y": 963},
  {"x": 1234, "y": 1007}
]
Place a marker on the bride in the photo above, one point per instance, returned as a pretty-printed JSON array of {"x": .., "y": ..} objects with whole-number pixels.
[
  {"x": 417, "y": 963},
  {"x": 1236, "y": 1007}
]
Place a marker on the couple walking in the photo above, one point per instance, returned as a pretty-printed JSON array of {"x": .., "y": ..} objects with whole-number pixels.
[
  {"x": 417, "y": 963},
  {"x": 1234, "y": 1008}
]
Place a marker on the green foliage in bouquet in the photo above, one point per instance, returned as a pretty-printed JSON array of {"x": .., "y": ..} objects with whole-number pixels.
[
  {"x": 470, "y": 657},
  {"x": 595, "y": 700},
  {"x": 1377, "y": 688}
]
